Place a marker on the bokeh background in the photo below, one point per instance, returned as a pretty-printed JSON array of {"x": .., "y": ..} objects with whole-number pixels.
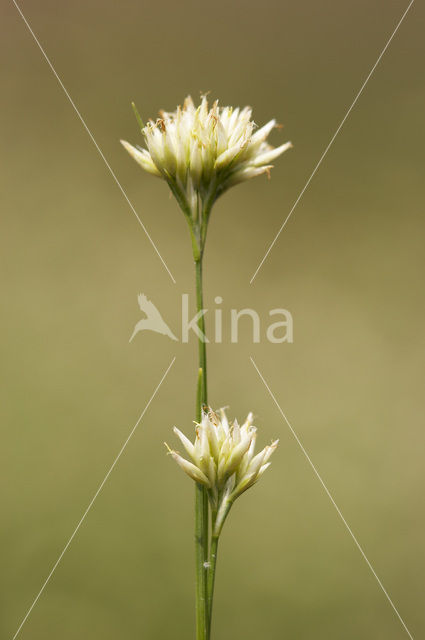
[{"x": 349, "y": 266}]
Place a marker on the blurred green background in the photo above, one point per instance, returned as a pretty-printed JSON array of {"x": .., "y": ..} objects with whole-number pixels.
[{"x": 349, "y": 266}]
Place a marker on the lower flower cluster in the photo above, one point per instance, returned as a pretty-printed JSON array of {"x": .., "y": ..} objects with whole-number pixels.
[{"x": 223, "y": 459}]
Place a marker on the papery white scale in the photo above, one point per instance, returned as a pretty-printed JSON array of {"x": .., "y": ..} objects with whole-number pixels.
[
  {"x": 223, "y": 458},
  {"x": 201, "y": 152}
]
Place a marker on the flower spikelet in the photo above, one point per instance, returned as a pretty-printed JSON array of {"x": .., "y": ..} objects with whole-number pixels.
[
  {"x": 202, "y": 151},
  {"x": 223, "y": 459}
]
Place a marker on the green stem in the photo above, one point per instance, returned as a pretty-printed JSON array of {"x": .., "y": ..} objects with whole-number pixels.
[
  {"x": 218, "y": 519},
  {"x": 202, "y": 347},
  {"x": 201, "y": 498},
  {"x": 211, "y": 578},
  {"x": 201, "y": 554}
]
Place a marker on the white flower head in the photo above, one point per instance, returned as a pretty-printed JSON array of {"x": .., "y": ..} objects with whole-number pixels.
[
  {"x": 223, "y": 459},
  {"x": 202, "y": 151}
]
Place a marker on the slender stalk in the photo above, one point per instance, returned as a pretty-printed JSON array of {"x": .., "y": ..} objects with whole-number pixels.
[
  {"x": 217, "y": 521},
  {"x": 211, "y": 578},
  {"x": 201, "y": 498},
  {"x": 202, "y": 347},
  {"x": 201, "y": 554}
]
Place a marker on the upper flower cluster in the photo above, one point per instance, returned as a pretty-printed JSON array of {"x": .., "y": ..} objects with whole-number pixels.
[
  {"x": 223, "y": 459},
  {"x": 202, "y": 151}
]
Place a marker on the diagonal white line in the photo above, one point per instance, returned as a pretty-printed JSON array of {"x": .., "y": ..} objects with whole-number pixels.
[
  {"x": 93, "y": 499},
  {"x": 330, "y": 143},
  {"x": 328, "y": 493},
  {"x": 94, "y": 141}
]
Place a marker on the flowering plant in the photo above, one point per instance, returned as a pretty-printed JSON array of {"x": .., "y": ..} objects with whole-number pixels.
[{"x": 201, "y": 152}]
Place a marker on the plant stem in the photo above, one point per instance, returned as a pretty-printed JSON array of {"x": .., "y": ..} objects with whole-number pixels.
[
  {"x": 201, "y": 498},
  {"x": 202, "y": 347},
  {"x": 217, "y": 520},
  {"x": 211, "y": 578},
  {"x": 201, "y": 554}
]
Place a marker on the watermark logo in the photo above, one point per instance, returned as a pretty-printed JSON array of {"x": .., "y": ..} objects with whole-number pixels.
[
  {"x": 279, "y": 323},
  {"x": 153, "y": 321}
]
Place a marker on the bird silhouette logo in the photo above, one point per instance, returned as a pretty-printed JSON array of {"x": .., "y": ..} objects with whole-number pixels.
[{"x": 153, "y": 320}]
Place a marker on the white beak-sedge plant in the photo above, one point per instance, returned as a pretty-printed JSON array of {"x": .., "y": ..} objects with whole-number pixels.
[{"x": 201, "y": 152}]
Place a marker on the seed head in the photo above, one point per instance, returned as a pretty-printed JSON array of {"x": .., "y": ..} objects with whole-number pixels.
[
  {"x": 202, "y": 151},
  {"x": 223, "y": 459}
]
